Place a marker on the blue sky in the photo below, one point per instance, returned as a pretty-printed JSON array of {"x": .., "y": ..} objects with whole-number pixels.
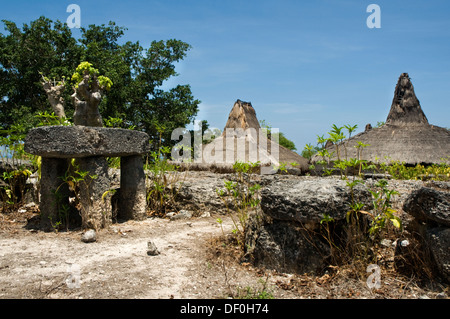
[{"x": 304, "y": 65}]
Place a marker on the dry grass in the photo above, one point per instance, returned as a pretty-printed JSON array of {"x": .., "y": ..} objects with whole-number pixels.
[{"x": 405, "y": 274}]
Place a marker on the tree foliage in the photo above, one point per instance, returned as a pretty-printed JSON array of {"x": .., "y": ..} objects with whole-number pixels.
[
  {"x": 282, "y": 139},
  {"x": 47, "y": 48}
]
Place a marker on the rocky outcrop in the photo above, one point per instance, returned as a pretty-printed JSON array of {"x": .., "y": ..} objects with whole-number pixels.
[
  {"x": 198, "y": 192},
  {"x": 306, "y": 201},
  {"x": 285, "y": 235},
  {"x": 284, "y": 246}
]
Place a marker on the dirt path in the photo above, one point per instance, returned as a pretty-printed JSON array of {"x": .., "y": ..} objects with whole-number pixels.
[
  {"x": 192, "y": 264},
  {"x": 37, "y": 265}
]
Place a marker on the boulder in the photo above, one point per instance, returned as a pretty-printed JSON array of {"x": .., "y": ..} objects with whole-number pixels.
[
  {"x": 83, "y": 141},
  {"x": 285, "y": 236},
  {"x": 198, "y": 191},
  {"x": 429, "y": 204},
  {"x": 307, "y": 200}
]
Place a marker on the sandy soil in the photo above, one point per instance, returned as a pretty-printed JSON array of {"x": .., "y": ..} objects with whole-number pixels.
[{"x": 194, "y": 262}]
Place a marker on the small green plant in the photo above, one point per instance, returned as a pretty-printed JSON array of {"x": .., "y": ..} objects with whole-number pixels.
[
  {"x": 397, "y": 170},
  {"x": 382, "y": 208},
  {"x": 282, "y": 168},
  {"x": 14, "y": 187},
  {"x": 47, "y": 119},
  {"x": 220, "y": 221},
  {"x": 113, "y": 122},
  {"x": 241, "y": 195},
  {"x": 308, "y": 151},
  {"x": 72, "y": 178},
  {"x": 165, "y": 182},
  {"x": 254, "y": 293},
  {"x": 327, "y": 222},
  {"x": 382, "y": 211},
  {"x": 336, "y": 137}
]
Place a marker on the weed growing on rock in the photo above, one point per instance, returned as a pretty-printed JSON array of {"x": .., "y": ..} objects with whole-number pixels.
[
  {"x": 240, "y": 196},
  {"x": 365, "y": 227}
]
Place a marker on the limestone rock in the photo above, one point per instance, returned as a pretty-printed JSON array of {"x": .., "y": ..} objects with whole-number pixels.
[
  {"x": 152, "y": 250},
  {"x": 182, "y": 214},
  {"x": 132, "y": 195},
  {"x": 95, "y": 212},
  {"x": 89, "y": 236},
  {"x": 430, "y": 207},
  {"x": 307, "y": 201},
  {"x": 198, "y": 192}
]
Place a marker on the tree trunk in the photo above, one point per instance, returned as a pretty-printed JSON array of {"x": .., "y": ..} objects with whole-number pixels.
[{"x": 54, "y": 97}]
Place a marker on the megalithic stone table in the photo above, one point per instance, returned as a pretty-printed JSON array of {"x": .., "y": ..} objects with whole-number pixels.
[{"x": 90, "y": 146}]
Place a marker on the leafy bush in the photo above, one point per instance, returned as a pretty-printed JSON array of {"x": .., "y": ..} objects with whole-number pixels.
[
  {"x": 397, "y": 170},
  {"x": 87, "y": 68}
]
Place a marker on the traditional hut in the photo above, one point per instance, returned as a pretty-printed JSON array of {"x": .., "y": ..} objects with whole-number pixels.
[
  {"x": 406, "y": 136},
  {"x": 244, "y": 140}
]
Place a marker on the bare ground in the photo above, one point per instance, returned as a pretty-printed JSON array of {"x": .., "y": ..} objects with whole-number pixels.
[{"x": 195, "y": 262}]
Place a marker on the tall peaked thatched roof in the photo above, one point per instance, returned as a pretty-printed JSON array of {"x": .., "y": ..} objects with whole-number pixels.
[
  {"x": 247, "y": 135},
  {"x": 405, "y": 108},
  {"x": 406, "y": 137},
  {"x": 243, "y": 116}
]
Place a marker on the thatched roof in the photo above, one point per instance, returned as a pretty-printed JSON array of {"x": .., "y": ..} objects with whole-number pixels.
[
  {"x": 243, "y": 116},
  {"x": 405, "y": 108},
  {"x": 406, "y": 137},
  {"x": 243, "y": 125}
]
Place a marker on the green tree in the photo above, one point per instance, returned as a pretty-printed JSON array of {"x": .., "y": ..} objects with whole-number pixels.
[
  {"x": 47, "y": 48},
  {"x": 309, "y": 150},
  {"x": 42, "y": 47},
  {"x": 282, "y": 139}
]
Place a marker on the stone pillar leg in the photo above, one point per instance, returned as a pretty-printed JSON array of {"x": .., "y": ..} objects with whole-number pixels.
[
  {"x": 132, "y": 199},
  {"x": 54, "y": 202},
  {"x": 96, "y": 212}
]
